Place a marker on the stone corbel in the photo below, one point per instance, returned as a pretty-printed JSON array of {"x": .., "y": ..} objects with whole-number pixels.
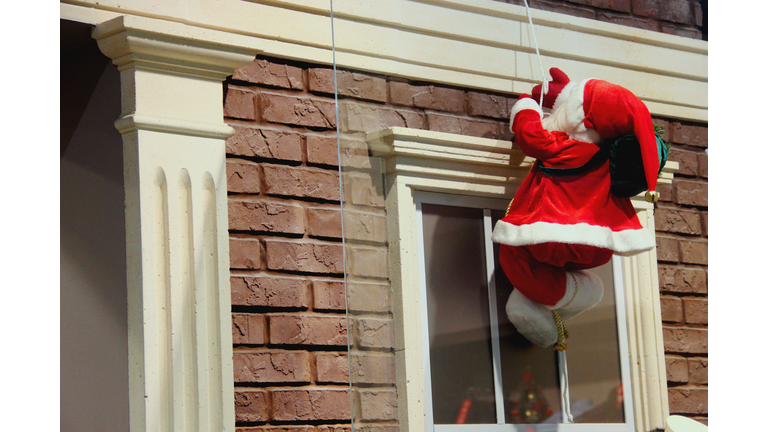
[{"x": 172, "y": 123}]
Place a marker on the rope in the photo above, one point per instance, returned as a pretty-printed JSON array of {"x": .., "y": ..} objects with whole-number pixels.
[{"x": 545, "y": 84}]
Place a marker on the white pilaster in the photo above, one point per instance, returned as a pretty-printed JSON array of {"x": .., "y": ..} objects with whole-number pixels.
[{"x": 179, "y": 324}]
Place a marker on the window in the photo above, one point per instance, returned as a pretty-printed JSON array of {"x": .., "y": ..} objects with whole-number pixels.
[
  {"x": 419, "y": 166},
  {"x": 478, "y": 370}
]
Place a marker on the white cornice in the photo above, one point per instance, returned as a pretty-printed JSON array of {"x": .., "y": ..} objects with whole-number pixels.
[{"x": 479, "y": 44}]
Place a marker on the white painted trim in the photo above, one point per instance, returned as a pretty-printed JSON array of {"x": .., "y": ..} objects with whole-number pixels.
[
  {"x": 179, "y": 312},
  {"x": 480, "y": 44},
  {"x": 411, "y": 157}
]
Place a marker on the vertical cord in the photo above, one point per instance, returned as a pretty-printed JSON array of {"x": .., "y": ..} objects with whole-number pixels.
[
  {"x": 565, "y": 394},
  {"x": 545, "y": 84},
  {"x": 341, "y": 206}
]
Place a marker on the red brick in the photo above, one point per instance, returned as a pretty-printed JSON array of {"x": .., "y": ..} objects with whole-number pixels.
[
  {"x": 667, "y": 249},
  {"x": 373, "y": 369},
  {"x": 677, "y": 221},
  {"x": 332, "y": 368},
  {"x": 365, "y": 226},
  {"x": 696, "y": 310},
  {"x": 691, "y": 193},
  {"x": 265, "y": 72},
  {"x": 324, "y": 222},
  {"x": 678, "y": 11},
  {"x": 374, "y": 333},
  {"x": 291, "y": 110},
  {"x": 694, "y": 252},
  {"x": 251, "y": 405},
  {"x": 562, "y": 8},
  {"x": 698, "y": 370},
  {"x": 269, "y": 217},
  {"x": 310, "y": 404},
  {"x": 705, "y": 223},
  {"x": 342, "y": 428},
  {"x": 488, "y": 105},
  {"x": 369, "y": 297},
  {"x": 688, "y": 161},
  {"x": 687, "y": 134},
  {"x": 677, "y": 369},
  {"x": 271, "y": 367},
  {"x": 615, "y": 5},
  {"x": 351, "y": 84},
  {"x": 671, "y": 309},
  {"x": 304, "y": 257},
  {"x": 698, "y": 14},
  {"x": 242, "y": 177},
  {"x": 248, "y": 329},
  {"x": 264, "y": 144},
  {"x": 429, "y": 97},
  {"x": 464, "y": 126},
  {"x": 239, "y": 104},
  {"x": 330, "y": 330},
  {"x": 646, "y": 8},
  {"x": 685, "y": 340},
  {"x": 364, "y": 189},
  {"x": 244, "y": 254},
  {"x": 682, "y": 280},
  {"x": 703, "y": 163},
  {"x": 685, "y": 400},
  {"x": 675, "y": 29},
  {"x": 269, "y": 291},
  {"x": 329, "y": 295},
  {"x": 301, "y": 182},
  {"x": 322, "y": 150},
  {"x": 277, "y": 429},
  {"x": 360, "y": 117},
  {"x": 643, "y": 24},
  {"x": 665, "y": 192},
  {"x": 368, "y": 262},
  {"x": 377, "y": 405}
]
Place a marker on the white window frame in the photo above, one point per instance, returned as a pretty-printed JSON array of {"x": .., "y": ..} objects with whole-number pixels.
[
  {"x": 425, "y": 161},
  {"x": 488, "y": 204}
]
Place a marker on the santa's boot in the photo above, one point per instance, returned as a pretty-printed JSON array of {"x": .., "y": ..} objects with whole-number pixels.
[
  {"x": 583, "y": 290},
  {"x": 532, "y": 320}
]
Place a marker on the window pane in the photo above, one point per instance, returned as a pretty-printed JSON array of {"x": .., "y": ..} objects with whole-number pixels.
[{"x": 457, "y": 306}]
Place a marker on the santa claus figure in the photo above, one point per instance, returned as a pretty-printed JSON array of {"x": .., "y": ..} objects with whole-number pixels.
[{"x": 558, "y": 226}]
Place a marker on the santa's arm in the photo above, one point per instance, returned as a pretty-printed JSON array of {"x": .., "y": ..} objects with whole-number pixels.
[{"x": 529, "y": 134}]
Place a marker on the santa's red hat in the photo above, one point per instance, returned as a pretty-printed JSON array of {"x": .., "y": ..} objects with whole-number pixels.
[{"x": 554, "y": 88}]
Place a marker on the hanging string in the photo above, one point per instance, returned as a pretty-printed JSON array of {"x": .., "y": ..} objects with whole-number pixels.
[
  {"x": 565, "y": 395},
  {"x": 544, "y": 83}
]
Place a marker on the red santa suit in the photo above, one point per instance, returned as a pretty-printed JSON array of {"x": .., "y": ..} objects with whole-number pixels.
[{"x": 556, "y": 227}]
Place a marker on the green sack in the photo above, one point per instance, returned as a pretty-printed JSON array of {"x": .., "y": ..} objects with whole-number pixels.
[{"x": 626, "y": 165}]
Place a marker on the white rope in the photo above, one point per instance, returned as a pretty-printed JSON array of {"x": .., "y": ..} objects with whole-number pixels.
[
  {"x": 565, "y": 393},
  {"x": 565, "y": 397},
  {"x": 545, "y": 84}
]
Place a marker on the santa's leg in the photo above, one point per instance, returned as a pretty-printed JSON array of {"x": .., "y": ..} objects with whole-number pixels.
[
  {"x": 549, "y": 277},
  {"x": 532, "y": 281},
  {"x": 582, "y": 289}
]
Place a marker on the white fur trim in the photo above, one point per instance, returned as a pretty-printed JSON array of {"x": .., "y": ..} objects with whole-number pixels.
[
  {"x": 564, "y": 94},
  {"x": 531, "y": 319},
  {"x": 623, "y": 243},
  {"x": 524, "y": 104},
  {"x": 583, "y": 290},
  {"x": 574, "y": 114}
]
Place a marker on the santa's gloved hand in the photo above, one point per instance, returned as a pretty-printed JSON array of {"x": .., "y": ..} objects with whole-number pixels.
[{"x": 559, "y": 81}]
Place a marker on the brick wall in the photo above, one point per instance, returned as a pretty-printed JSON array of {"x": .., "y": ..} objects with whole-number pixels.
[
  {"x": 287, "y": 270},
  {"x": 288, "y": 303},
  {"x": 681, "y": 239},
  {"x": 678, "y": 17}
]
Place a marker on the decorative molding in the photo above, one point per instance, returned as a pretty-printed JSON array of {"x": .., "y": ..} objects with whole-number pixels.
[
  {"x": 479, "y": 44},
  {"x": 419, "y": 160},
  {"x": 177, "y": 239}
]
